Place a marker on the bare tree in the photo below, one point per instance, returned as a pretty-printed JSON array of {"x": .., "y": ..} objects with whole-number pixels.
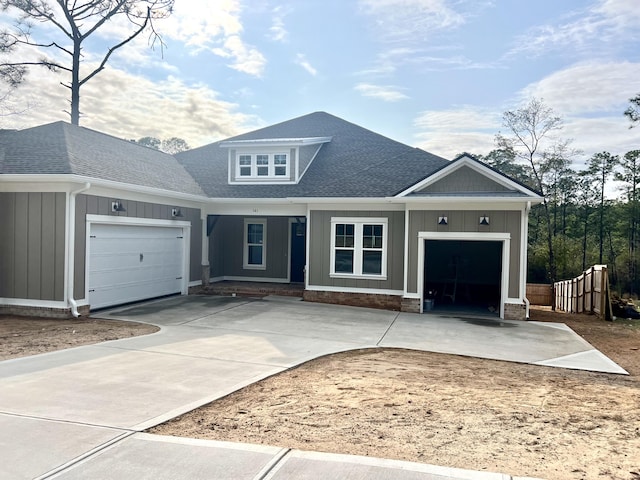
[
  {"x": 530, "y": 129},
  {"x": 76, "y": 21}
]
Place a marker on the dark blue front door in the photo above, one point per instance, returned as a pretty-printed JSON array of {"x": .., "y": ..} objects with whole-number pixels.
[{"x": 298, "y": 251}]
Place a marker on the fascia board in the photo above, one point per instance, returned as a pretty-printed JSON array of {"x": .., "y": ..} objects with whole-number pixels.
[
  {"x": 274, "y": 142},
  {"x": 69, "y": 180},
  {"x": 462, "y": 199}
]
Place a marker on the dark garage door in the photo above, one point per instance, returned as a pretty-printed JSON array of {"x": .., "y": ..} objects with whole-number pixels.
[{"x": 463, "y": 274}]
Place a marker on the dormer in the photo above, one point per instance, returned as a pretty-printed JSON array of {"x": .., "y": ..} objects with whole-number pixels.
[{"x": 271, "y": 160}]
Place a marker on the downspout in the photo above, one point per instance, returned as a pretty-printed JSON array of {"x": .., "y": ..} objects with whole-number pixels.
[
  {"x": 71, "y": 259},
  {"x": 526, "y": 239}
]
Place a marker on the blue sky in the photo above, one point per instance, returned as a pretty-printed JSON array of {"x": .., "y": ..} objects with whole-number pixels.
[{"x": 436, "y": 74}]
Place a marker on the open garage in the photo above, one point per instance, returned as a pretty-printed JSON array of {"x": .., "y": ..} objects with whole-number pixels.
[{"x": 463, "y": 275}]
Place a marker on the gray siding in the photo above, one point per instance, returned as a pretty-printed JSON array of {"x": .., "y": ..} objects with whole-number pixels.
[
  {"x": 320, "y": 251},
  {"x": 32, "y": 245},
  {"x": 465, "y": 221},
  {"x": 92, "y": 205},
  {"x": 464, "y": 179},
  {"x": 226, "y": 248}
]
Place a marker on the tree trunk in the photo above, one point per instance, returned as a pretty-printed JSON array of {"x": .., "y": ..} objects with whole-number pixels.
[
  {"x": 584, "y": 238},
  {"x": 75, "y": 83},
  {"x": 552, "y": 260}
]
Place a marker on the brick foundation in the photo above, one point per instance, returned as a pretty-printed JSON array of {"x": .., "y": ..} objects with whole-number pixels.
[
  {"x": 44, "y": 312},
  {"x": 385, "y": 302},
  {"x": 515, "y": 311},
  {"x": 410, "y": 305}
]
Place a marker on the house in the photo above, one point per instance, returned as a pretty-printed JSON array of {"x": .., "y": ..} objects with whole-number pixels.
[{"x": 89, "y": 221}]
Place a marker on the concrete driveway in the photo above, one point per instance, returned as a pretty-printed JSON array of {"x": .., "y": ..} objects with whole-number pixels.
[{"x": 77, "y": 413}]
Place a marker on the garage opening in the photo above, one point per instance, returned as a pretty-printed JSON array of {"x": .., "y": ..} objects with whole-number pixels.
[{"x": 463, "y": 276}]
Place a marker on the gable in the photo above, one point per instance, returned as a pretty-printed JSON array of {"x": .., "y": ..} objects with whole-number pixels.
[
  {"x": 464, "y": 180},
  {"x": 468, "y": 177}
]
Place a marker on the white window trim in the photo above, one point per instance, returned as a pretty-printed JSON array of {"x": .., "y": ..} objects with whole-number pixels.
[
  {"x": 251, "y": 221},
  {"x": 359, "y": 222},
  {"x": 271, "y": 166}
]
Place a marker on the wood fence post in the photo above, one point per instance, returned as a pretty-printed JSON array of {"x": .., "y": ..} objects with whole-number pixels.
[{"x": 593, "y": 285}]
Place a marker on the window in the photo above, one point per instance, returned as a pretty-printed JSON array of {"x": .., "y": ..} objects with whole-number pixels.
[
  {"x": 262, "y": 165},
  {"x": 244, "y": 163},
  {"x": 359, "y": 247},
  {"x": 255, "y": 244},
  {"x": 280, "y": 162}
]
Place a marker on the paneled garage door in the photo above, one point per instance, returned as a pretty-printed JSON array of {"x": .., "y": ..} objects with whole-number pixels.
[{"x": 129, "y": 263}]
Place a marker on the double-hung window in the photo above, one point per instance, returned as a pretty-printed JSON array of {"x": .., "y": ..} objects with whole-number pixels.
[
  {"x": 262, "y": 165},
  {"x": 255, "y": 244},
  {"x": 359, "y": 247}
]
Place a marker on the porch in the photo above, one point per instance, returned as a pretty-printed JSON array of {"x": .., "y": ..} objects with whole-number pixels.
[{"x": 250, "y": 289}]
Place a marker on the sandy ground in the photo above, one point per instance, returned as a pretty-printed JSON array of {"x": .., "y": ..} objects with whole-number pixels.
[
  {"x": 22, "y": 336},
  {"x": 425, "y": 407},
  {"x": 448, "y": 410}
]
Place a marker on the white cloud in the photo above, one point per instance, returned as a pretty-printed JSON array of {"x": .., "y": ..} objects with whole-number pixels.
[
  {"x": 277, "y": 31},
  {"x": 245, "y": 58},
  {"x": 611, "y": 22},
  {"x": 463, "y": 129},
  {"x": 588, "y": 87},
  {"x": 593, "y": 135},
  {"x": 215, "y": 27},
  {"x": 301, "y": 60},
  {"x": 410, "y": 20},
  {"x": 388, "y": 93},
  {"x": 129, "y": 106}
]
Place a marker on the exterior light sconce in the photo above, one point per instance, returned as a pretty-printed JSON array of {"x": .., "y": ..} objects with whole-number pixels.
[
  {"x": 484, "y": 220},
  {"x": 117, "y": 206},
  {"x": 175, "y": 213},
  {"x": 443, "y": 220}
]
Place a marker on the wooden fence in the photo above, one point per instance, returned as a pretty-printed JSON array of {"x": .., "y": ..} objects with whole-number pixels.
[
  {"x": 540, "y": 294},
  {"x": 587, "y": 293}
]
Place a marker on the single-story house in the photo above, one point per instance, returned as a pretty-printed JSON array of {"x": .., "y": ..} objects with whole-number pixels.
[{"x": 89, "y": 221}]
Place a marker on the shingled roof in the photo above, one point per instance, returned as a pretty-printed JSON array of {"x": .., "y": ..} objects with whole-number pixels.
[
  {"x": 355, "y": 163},
  {"x": 61, "y": 148}
]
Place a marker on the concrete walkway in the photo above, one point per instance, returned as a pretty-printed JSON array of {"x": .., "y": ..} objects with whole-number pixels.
[{"x": 77, "y": 413}]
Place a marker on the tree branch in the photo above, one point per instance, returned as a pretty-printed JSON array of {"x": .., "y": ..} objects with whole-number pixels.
[{"x": 114, "y": 48}]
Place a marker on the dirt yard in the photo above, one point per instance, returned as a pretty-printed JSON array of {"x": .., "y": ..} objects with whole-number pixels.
[
  {"x": 22, "y": 336},
  {"x": 448, "y": 410},
  {"x": 425, "y": 407}
]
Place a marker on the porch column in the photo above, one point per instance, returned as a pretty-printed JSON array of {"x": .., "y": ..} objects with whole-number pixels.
[{"x": 206, "y": 270}]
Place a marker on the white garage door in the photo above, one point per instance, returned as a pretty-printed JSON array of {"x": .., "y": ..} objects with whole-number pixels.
[{"x": 129, "y": 263}]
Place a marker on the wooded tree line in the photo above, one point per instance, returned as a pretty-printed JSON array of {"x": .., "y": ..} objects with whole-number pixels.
[{"x": 577, "y": 225}]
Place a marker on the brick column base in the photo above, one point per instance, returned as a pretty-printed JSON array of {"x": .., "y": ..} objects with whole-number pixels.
[
  {"x": 515, "y": 311},
  {"x": 410, "y": 305}
]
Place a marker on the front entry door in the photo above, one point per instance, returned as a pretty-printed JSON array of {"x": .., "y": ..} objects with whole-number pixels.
[{"x": 298, "y": 252}]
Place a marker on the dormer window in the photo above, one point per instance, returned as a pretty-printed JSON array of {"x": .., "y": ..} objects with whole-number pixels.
[
  {"x": 263, "y": 165},
  {"x": 271, "y": 161}
]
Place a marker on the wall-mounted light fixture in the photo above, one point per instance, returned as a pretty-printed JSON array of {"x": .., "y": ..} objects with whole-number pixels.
[
  {"x": 117, "y": 206},
  {"x": 443, "y": 220},
  {"x": 484, "y": 220},
  {"x": 175, "y": 212}
]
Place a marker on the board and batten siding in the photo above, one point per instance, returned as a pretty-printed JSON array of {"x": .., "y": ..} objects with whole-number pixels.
[
  {"x": 320, "y": 250},
  {"x": 93, "y": 205},
  {"x": 226, "y": 248},
  {"x": 466, "y": 221},
  {"x": 32, "y": 245},
  {"x": 465, "y": 179}
]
